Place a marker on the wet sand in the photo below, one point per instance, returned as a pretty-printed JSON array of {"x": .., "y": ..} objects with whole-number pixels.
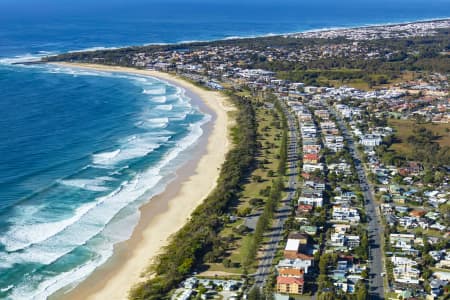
[{"x": 167, "y": 212}]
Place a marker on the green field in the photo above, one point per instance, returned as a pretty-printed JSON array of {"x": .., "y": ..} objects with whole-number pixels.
[
  {"x": 404, "y": 129},
  {"x": 269, "y": 136}
]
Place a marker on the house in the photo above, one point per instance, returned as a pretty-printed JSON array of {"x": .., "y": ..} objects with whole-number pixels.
[
  {"x": 296, "y": 263},
  {"x": 402, "y": 241},
  {"x": 370, "y": 140},
  {"x": 296, "y": 244},
  {"x": 399, "y": 199},
  {"x": 442, "y": 275},
  {"x": 406, "y": 274},
  {"x": 407, "y": 222},
  {"x": 322, "y": 113},
  {"x": 298, "y": 255},
  {"x": 311, "y": 199},
  {"x": 352, "y": 241},
  {"x": 417, "y": 213},
  {"x": 402, "y": 209},
  {"x": 405, "y": 270},
  {"x": 345, "y": 214},
  {"x": 413, "y": 168},
  {"x": 443, "y": 264},
  {"x": 436, "y": 286},
  {"x": 304, "y": 209},
  {"x": 290, "y": 285},
  {"x": 317, "y": 186},
  {"x": 310, "y": 89},
  {"x": 341, "y": 228},
  {"x": 190, "y": 283},
  {"x": 312, "y": 167},
  {"x": 310, "y": 158},
  {"x": 314, "y": 148},
  {"x": 337, "y": 240},
  {"x": 302, "y": 238},
  {"x": 291, "y": 272}
]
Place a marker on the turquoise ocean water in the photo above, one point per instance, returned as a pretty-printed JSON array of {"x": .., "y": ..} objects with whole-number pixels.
[{"x": 81, "y": 150}]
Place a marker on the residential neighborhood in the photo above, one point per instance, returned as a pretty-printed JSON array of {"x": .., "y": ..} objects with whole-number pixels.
[{"x": 364, "y": 212}]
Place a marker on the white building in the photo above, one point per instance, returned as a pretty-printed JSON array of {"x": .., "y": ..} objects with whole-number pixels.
[
  {"x": 370, "y": 140},
  {"x": 298, "y": 263}
]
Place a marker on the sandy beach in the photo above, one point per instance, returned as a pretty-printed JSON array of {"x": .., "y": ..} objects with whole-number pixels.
[{"x": 166, "y": 213}]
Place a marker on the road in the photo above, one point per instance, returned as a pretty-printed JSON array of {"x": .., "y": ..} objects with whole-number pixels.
[
  {"x": 375, "y": 227},
  {"x": 284, "y": 210}
]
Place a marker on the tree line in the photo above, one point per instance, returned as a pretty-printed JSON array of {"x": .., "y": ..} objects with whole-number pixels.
[
  {"x": 276, "y": 193},
  {"x": 187, "y": 247}
]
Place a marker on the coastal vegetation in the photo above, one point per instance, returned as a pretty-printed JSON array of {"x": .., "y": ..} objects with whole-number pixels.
[
  {"x": 262, "y": 190},
  {"x": 225, "y": 235},
  {"x": 199, "y": 237},
  {"x": 251, "y": 183}
]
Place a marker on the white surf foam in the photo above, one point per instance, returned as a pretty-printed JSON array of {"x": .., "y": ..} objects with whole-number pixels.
[
  {"x": 89, "y": 221},
  {"x": 158, "y": 99},
  {"x": 74, "y": 71},
  {"x": 104, "y": 157},
  {"x": 25, "y": 234},
  {"x": 27, "y": 58},
  {"x": 91, "y": 49},
  {"x": 94, "y": 185},
  {"x": 158, "y": 121},
  {"x": 179, "y": 117},
  {"x": 6, "y": 288},
  {"x": 135, "y": 146},
  {"x": 92, "y": 223},
  {"x": 164, "y": 107},
  {"x": 46, "y": 242},
  {"x": 157, "y": 91},
  {"x": 153, "y": 123},
  {"x": 43, "y": 243},
  {"x": 53, "y": 284}
]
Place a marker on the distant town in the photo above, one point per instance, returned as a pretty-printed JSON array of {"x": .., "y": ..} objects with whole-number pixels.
[{"x": 360, "y": 119}]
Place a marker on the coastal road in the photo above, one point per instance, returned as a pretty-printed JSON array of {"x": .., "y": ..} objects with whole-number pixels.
[
  {"x": 275, "y": 234},
  {"x": 375, "y": 227}
]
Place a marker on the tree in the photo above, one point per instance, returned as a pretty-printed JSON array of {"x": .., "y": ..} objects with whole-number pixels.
[
  {"x": 226, "y": 263},
  {"x": 248, "y": 251},
  {"x": 244, "y": 211},
  {"x": 361, "y": 291},
  {"x": 444, "y": 209},
  {"x": 326, "y": 296},
  {"x": 256, "y": 178},
  {"x": 255, "y": 294}
]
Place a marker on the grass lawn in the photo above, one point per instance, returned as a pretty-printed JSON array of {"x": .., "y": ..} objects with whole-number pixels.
[{"x": 267, "y": 136}]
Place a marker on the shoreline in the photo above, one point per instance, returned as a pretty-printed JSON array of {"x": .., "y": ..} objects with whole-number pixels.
[
  {"x": 161, "y": 216},
  {"x": 37, "y": 59}
]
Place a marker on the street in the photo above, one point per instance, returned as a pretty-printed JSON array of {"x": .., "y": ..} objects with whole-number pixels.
[{"x": 375, "y": 230}]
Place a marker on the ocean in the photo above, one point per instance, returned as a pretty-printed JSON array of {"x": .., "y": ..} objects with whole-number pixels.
[{"x": 81, "y": 150}]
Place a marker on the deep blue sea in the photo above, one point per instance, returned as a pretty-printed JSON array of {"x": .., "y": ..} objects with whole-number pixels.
[{"x": 81, "y": 150}]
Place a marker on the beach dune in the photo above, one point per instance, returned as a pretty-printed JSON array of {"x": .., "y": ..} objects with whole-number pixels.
[{"x": 166, "y": 213}]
